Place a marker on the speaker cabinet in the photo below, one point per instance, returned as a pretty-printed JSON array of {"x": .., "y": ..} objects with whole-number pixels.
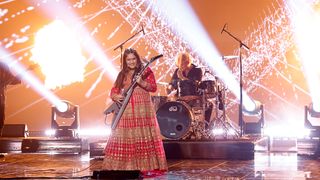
[
  {"x": 112, "y": 174},
  {"x": 14, "y": 130}
]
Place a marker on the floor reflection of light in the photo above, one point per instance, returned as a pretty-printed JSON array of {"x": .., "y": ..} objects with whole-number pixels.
[
  {"x": 279, "y": 165},
  {"x": 85, "y": 157}
]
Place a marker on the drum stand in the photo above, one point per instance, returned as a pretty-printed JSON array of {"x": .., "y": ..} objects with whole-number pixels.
[
  {"x": 199, "y": 124},
  {"x": 220, "y": 121}
]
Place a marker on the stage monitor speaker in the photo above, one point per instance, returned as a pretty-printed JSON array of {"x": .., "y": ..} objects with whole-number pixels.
[
  {"x": 14, "y": 130},
  {"x": 113, "y": 174}
]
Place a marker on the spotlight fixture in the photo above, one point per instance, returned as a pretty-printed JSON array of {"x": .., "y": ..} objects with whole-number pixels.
[
  {"x": 312, "y": 111},
  {"x": 253, "y": 118},
  {"x": 255, "y": 110},
  {"x": 65, "y": 119},
  {"x": 311, "y": 120}
]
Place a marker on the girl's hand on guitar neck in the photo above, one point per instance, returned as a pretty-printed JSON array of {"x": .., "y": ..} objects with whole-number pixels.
[
  {"x": 141, "y": 82},
  {"x": 117, "y": 97}
]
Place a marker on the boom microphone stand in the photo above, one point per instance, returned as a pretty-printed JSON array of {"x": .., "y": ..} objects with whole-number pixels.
[
  {"x": 241, "y": 44},
  {"x": 121, "y": 45}
]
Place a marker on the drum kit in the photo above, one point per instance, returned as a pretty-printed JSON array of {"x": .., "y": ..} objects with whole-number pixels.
[{"x": 196, "y": 110}]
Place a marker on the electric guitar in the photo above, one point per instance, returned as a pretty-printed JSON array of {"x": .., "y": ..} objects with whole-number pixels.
[{"x": 117, "y": 108}]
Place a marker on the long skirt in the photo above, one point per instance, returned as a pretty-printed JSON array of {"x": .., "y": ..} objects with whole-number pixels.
[{"x": 136, "y": 143}]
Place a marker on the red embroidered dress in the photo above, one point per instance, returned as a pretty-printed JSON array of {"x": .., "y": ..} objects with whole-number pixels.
[{"x": 136, "y": 142}]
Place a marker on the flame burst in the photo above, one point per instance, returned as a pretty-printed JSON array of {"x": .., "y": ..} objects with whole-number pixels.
[{"x": 58, "y": 53}]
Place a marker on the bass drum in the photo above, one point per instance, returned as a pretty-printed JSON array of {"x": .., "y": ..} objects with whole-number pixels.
[{"x": 174, "y": 119}]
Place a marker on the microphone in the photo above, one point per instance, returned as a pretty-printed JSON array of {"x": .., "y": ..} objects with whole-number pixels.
[
  {"x": 143, "y": 30},
  {"x": 225, "y": 25},
  {"x": 156, "y": 57}
]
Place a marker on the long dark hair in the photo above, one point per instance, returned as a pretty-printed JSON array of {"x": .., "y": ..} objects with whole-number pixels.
[{"x": 125, "y": 68}]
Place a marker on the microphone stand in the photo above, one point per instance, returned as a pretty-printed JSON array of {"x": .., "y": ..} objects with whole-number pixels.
[
  {"x": 121, "y": 44},
  {"x": 241, "y": 44}
]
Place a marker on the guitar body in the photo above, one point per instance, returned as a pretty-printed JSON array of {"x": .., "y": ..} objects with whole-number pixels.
[{"x": 113, "y": 108}]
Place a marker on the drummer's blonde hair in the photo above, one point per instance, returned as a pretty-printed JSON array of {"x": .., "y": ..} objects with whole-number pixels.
[{"x": 183, "y": 55}]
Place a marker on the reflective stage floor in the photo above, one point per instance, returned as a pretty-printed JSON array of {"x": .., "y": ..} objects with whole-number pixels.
[{"x": 81, "y": 166}]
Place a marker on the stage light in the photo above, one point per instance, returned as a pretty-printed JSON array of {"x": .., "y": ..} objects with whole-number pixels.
[
  {"x": 68, "y": 124},
  {"x": 253, "y": 118},
  {"x": 66, "y": 110},
  {"x": 254, "y": 109},
  {"x": 312, "y": 120},
  {"x": 313, "y": 111}
]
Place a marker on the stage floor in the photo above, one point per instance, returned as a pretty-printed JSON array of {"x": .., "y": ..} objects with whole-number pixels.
[
  {"x": 81, "y": 166},
  {"x": 247, "y": 158}
]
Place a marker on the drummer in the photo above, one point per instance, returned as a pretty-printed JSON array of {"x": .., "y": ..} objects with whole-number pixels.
[{"x": 186, "y": 72}]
